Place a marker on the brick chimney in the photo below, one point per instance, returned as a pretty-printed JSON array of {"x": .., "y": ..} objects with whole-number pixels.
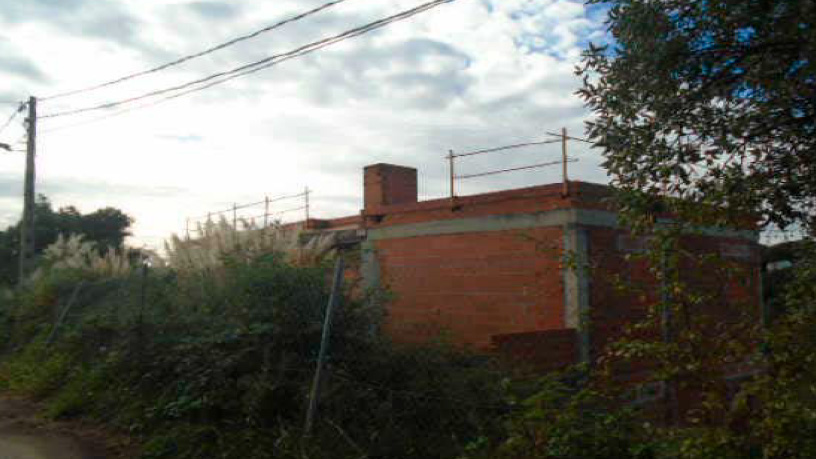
[{"x": 387, "y": 184}]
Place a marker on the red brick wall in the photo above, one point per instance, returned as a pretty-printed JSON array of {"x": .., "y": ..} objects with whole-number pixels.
[
  {"x": 519, "y": 201},
  {"x": 612, "y": 309},
  {"x": 387, "y": 184},
  {"x": 473, "y": 286}
]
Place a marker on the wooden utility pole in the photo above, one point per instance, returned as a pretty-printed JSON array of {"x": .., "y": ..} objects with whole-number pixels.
[{"x": 27, "y": 224}]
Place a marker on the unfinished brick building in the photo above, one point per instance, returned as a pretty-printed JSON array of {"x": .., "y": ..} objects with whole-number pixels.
[{"x": 489, "y": 270}]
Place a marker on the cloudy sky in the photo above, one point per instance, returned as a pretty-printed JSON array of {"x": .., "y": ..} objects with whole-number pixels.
[{"x": 467, "y": 75}]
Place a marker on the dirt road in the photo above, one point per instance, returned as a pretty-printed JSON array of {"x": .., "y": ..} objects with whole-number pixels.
[{"x": 23, "y": 436}]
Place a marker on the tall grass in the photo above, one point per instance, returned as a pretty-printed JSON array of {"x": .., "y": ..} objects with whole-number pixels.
[
  {"x": 218, "y": 241},
  {"x": 75, "y": 253}
]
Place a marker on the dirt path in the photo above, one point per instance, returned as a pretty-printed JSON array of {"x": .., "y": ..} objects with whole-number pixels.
[
  {"x": 38, "y": 447},
  {"x": 24, "y": 436}
]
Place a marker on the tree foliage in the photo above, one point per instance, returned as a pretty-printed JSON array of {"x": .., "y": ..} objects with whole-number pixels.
[
  {"x": 707, "y": 110},
  {"x": 713, "y": 101},
  {"x": 107, "y": 228}
]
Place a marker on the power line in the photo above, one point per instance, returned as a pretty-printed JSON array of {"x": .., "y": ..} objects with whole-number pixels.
[
  {"x": 211, "y": 50},
  {"x": 92, "y": 120},
  {"x": 124, "y": 111},
  {"x": 261, "y": 64},
  {"x": 11, "y": 118}
]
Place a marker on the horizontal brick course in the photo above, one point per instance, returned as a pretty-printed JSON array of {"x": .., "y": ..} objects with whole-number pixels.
[{"x": 473, "y": 285}]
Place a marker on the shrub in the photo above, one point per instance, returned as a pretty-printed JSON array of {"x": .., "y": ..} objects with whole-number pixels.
[{"x": 217, "y": 360}]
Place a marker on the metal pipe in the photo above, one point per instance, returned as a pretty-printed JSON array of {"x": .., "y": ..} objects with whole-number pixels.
[
  {"x": 551, "y": 163},
  {"x": 266, "y": 211},
  {"x": 570, "y": 138},
  {"x": 565, "y": 177},
  {"x": 306, "y": 194},
  {"x": 451, "y": 169},
  {"x": 317, "y": 382},
  {"x": 506, "y": 147}
]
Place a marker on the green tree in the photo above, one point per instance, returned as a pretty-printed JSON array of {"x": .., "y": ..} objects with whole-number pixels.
[
  {"x": 107, "y": 227},
  {"x": 708, "y": 110},
  {"x": 713, "y": 101}
]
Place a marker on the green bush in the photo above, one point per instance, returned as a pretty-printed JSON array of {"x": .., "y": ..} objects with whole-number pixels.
[
  {"x": 35, "y": 371},
  {"x": 562, "y": 416},
  {"x": 220, "y": 363}
]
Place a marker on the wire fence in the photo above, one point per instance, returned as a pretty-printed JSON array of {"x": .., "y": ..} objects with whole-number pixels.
[
  {"x": 562, "y": 138},
  {"x": 259, "y": 214},
  {"x": 11, "y": 118}
]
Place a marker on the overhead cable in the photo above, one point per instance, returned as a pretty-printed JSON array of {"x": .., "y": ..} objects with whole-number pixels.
[
  {"x": 222, "y": 77},
  {"x": 184, "y": 59},
  {"x": 11, "y": 118}
]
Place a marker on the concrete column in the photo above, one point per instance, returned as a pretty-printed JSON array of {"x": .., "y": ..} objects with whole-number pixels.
[
  {"x": 576, "y": 286},
  {"x": 369, "y": 266}
]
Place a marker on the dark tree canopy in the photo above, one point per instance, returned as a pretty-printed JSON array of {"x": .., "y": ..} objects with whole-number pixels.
[
  {"x": 713, "y": 101},
  {"x": 107, "y": 227}
]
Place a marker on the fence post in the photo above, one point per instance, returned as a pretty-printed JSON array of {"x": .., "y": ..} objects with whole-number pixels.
[
  {"x": 142, "y": 301},
  {"x": 143, "y": 293},
  {"x": 64, "y": 313},
  {"x": 565, "y": 178},
  {"x": 306, "y": 194},
  {"x": 314, "y": 395},
  {"x": 266, "y": 211},
  {"x": 452, "y": 178}
]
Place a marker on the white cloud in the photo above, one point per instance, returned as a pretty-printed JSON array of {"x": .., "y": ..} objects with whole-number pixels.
[{"x": 467, "y": 75}]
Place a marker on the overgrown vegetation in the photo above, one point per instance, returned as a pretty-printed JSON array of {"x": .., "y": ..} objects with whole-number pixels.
[
  {"x": 215, "y": 359},
  {"x": 768, "y": 410},
  {"x": 705, "y": 110},
  {"x": 105, "y": 228}
]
